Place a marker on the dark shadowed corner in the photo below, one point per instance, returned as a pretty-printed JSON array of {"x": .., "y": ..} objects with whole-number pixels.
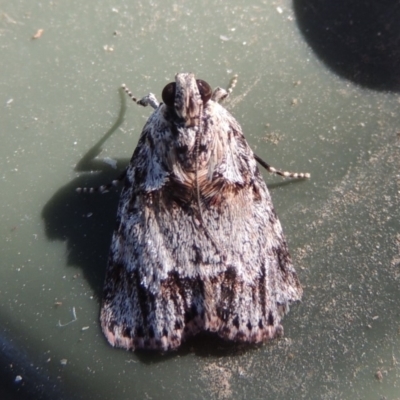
[{"x": 358, "y": 40}]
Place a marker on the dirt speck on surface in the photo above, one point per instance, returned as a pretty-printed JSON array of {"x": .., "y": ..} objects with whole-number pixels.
[{"x": 218, "y": 379}]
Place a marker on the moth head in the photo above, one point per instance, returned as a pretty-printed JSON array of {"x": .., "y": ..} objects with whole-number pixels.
[{"x": 186, "y": 95}]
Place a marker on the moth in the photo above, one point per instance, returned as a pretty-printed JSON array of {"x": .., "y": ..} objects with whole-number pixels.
[{"x": 197, "y": 244}]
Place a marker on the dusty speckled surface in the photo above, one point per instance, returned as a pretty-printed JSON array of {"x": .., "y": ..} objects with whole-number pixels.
[{"x": 59, "y": 96}]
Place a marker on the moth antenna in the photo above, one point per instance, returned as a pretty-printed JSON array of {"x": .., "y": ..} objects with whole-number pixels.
[
  {"x": 286, "y": 174},
  {"x": 220, "y": 94},
  {"x": 232, "y": 84},
  {"x": 128, "y": 92},
  {"x": 103, "y": 188}
]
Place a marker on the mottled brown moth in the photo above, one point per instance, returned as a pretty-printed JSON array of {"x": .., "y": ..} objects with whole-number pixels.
[{"x": 197, "y": 245}]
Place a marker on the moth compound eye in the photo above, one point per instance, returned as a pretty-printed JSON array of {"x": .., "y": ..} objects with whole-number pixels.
[
  {"x": 205, "y": 90},
  {"x": 168, "y": 94}
]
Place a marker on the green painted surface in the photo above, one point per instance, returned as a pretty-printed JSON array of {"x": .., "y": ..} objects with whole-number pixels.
[{"x": 59, "y": 96}]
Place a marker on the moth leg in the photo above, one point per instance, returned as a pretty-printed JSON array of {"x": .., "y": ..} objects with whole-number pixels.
[
  {"x": 286, "y": 174},
  {"x": 149, "y": 100},
  {"x": 220, "y": 94}
]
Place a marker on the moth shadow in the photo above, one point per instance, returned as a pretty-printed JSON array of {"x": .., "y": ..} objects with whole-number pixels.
[
  {"x": 85, "y": 222},
  {"x": 283, "y": 183}
]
